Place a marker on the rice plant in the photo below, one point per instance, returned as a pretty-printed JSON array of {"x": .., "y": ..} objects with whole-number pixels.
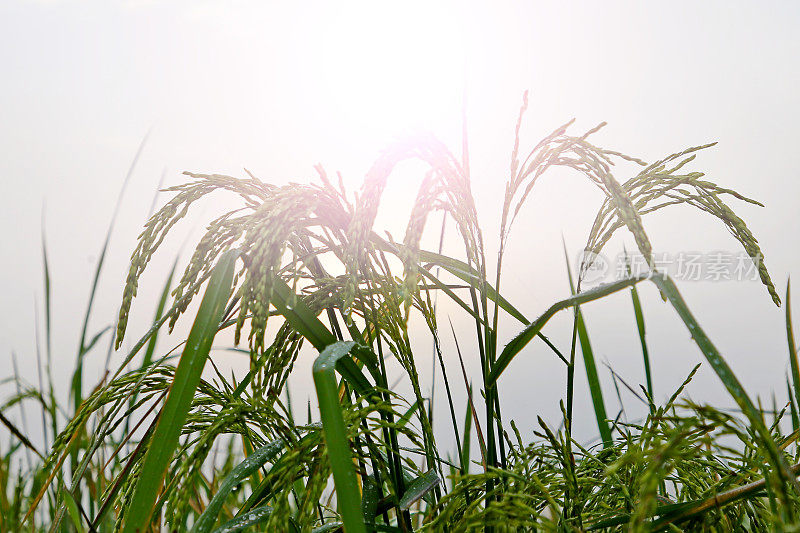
[{"x": 300, "y": 270}]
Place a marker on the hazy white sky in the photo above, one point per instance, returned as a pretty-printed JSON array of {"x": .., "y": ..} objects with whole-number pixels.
[{"x": 277, "y": 87}]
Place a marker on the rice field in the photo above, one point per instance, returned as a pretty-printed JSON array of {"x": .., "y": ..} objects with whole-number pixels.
[{"x": 167, "y": 442}]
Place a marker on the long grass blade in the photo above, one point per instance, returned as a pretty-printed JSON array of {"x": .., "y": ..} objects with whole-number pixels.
[
  {"x": 418, "y": 488},
  {"x": 250, "y": 518},
  {"x": 19, "y": 435},
  {"x": 176, "y": 406},
  {"x": 48, "y": 340},
  {"x": 793, "y": 411},
  {"x": 298, "y": 314},
  {"x": 729, "y": 380},
  {"x": 467, "y": 438},
  {"x": 637, "y": 310},
  {"x": 524, "y": 337},
  {"x": 243, "y": 470},
  {"x": 348, "y": 496},
  {"x": 793, "y": 363},
  {"x": 459, "y": 269},
  {"x": 595, "y": 389},
  {"x": 470, "y": 404}
]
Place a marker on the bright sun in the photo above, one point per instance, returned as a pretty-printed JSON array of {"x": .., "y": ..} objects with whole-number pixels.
[{"x": 392, "y": 67}]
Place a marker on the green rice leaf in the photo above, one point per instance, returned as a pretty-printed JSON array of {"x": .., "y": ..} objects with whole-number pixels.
[
  {"x": 298, "y": 314},
  {"x": 595, "y": 389},
  {"x": 251, "y": 518},
  {"x": 524, "y": 337},
  {"x": 729, "y": 379},
  {"x": 176, "y": 406},
  {"x": 348, "y": 495},
  {"x": 243, "y": 470},
  {"x": 418, "y": 488},
  {"x": 795, "y": 366}
]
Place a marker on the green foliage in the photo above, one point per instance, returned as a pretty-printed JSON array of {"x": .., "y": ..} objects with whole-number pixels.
[
  {"x": 181, "y": 392},
  {"x": 158, "y": 446}
]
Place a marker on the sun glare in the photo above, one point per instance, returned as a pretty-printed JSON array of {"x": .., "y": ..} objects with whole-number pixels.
[{"x": 394, "y": 67}]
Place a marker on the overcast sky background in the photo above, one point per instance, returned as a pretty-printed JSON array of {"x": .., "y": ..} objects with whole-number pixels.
[{"x": 278, "y": 87}]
